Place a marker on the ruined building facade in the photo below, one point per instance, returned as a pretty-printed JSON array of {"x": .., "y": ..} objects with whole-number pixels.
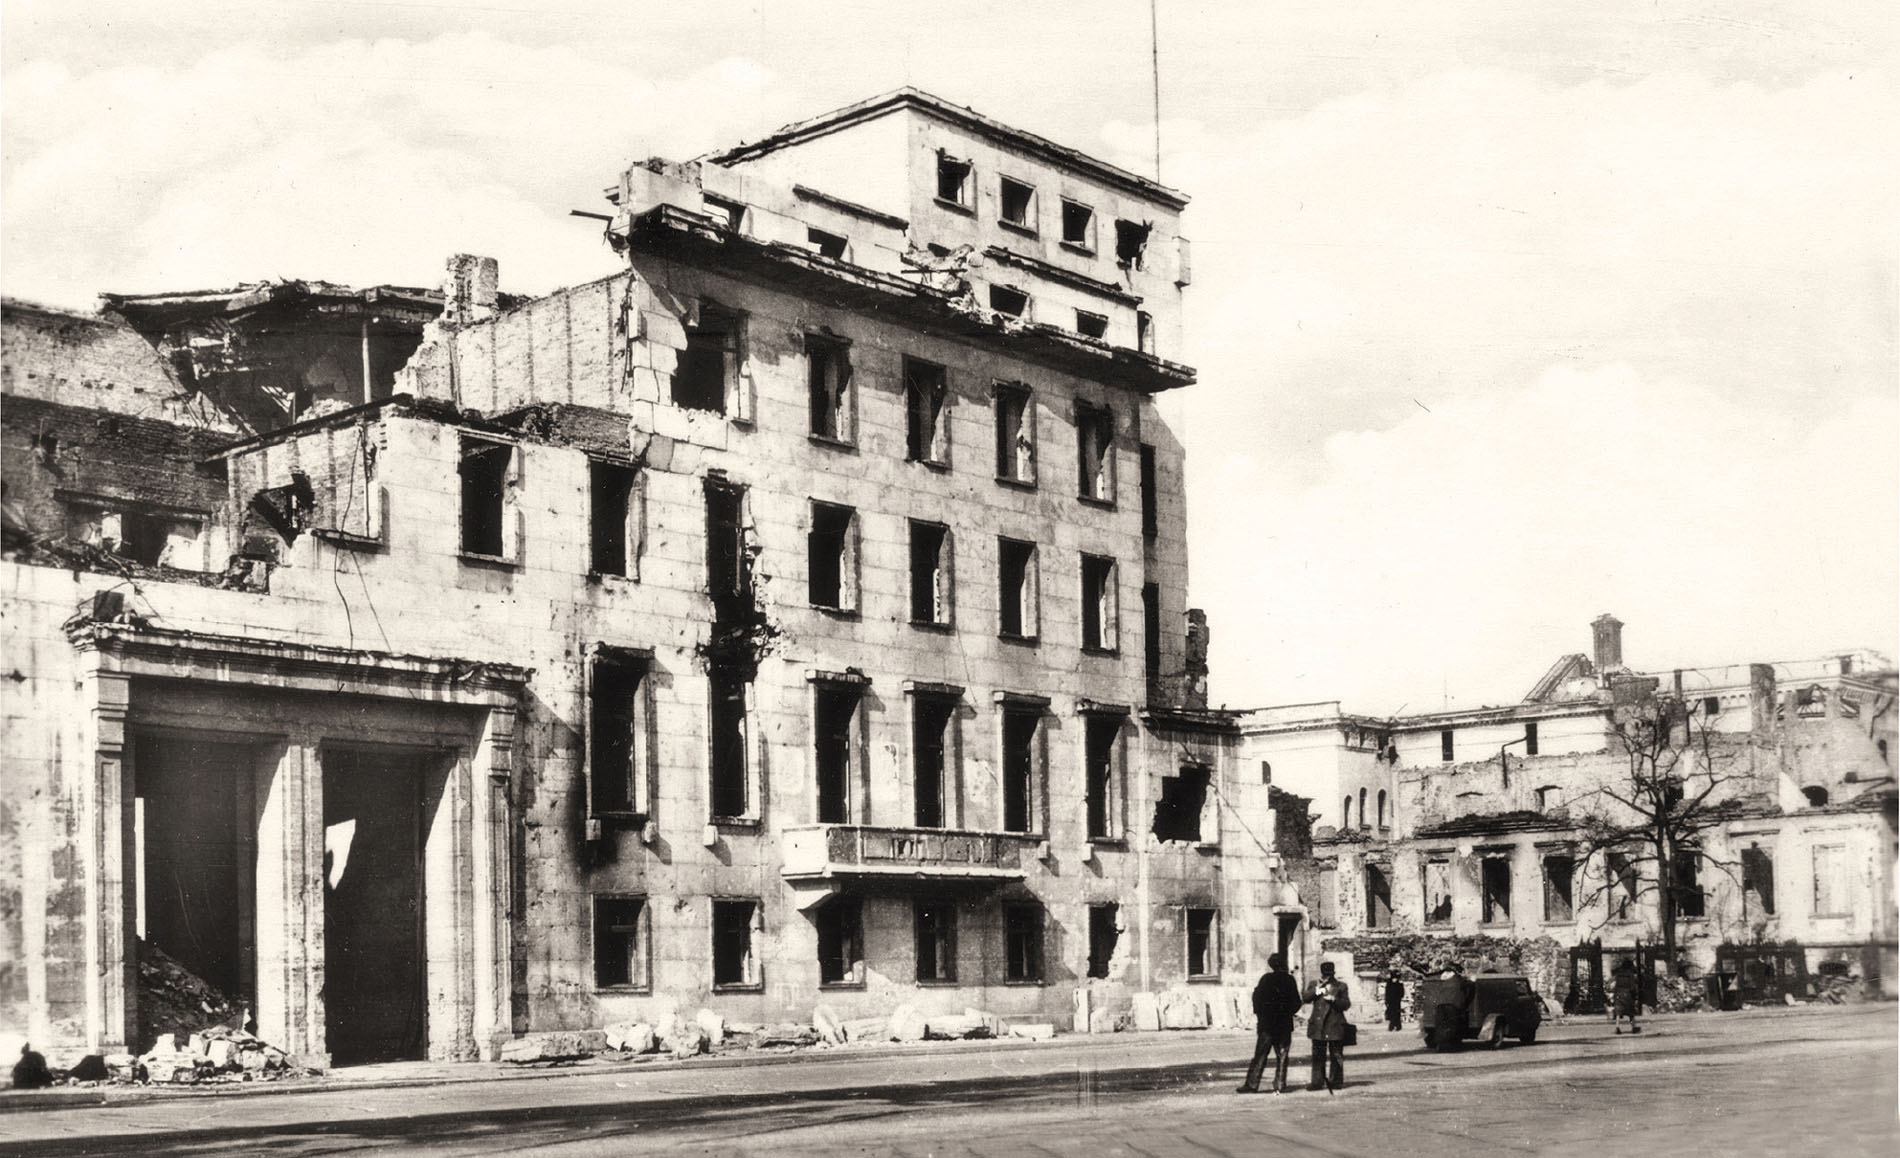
[{"x": 796, "y": 616}]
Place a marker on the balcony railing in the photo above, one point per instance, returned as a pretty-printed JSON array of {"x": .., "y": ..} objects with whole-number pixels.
[{"x": 829, "y": 851}]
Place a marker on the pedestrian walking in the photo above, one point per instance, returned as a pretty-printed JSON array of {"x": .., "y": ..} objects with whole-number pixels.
[
  {"x": 1328, "y": 1029},
  {"x": 1275, "y": 1000},
  {"x": 1624, "y": 995},
  {"x": 1394, "y": 1000}
]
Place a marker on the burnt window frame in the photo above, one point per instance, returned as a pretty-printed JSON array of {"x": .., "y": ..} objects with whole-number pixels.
[
  {"x": 940, "y": 575},
  {"x": 634, "y": 802},
  {"x": 1013, "y": 408},
  {"x": 847, "y": 563},
  {"x": 845, "y": 696},
  {"x": 1019, "y": 712},
  {"x": 1095, "y": 471},
  {"x": 1104, "y": 938},
  {"x": 730, "y": 585},
  {"x": 1560, "y": 903},
  {"x": 636, "y": 942},
  {"x": 1104, "y": 789},
  {"x": 934, "y": 921},
  {"x": 835, "y": 423},
  {"x": 730, "y": 691},
  {"x": 1100, "y": 604},
  {"x": 1029, "y": 223},
  {"x": 628, "y": 486},
  {"x": 751, "y": 968},
  {"x": 1025, "y": 933},
  {"x": 1378, "y": 900},
  {"x": 926, "y": 412},
  {"x": 507, "y": 530},
  {"x": 1210, "y": 942},
  {"x": 1094, "y": 321},
  {"x": 1026, "y": 595},
  {"x": 731, "y": 351},
  {"x": 1145, "y": 333},
  {"x": 1127, "y": 257},
  {"x": 947, "y": 165},
  {"x": 1447, "y": 746},
  {"x": 1085, "y": 242},
  {"x": 942, "y": 709},
  {"x": 1495, "y": 906},
  {"x": 1171, "y": 805},
  {"x": 840, "y": 921},
  {"x": 1750, "y": 879},
  {"x": 1431, "y": 917},
  {"x": 1002, "y": 297}
]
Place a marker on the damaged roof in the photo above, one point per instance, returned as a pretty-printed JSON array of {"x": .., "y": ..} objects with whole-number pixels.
[{"x": 153, "y": 312}]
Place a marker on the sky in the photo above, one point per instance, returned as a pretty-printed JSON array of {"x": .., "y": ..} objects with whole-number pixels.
[{"x": 1506, "y": 314}]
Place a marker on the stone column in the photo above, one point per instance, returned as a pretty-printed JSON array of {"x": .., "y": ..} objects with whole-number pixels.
[
  {"x": 290, "y": 946},
  {"x": 106, "y": 838},
  {"x": 489, "y": 869}
]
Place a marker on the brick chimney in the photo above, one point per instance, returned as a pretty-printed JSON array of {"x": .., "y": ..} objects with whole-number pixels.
[
  {"x": 471, "y": 289},
  {"x": 1607, "y": 630}
]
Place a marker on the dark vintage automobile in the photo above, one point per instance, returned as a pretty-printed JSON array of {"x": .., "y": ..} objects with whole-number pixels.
[{"x": 1488, "y": 1008}]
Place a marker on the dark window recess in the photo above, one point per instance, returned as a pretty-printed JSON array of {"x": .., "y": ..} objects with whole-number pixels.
[
  {"x": 142, "y": 537},
  {"x": 730, "y": 214},
  {"x": 1017, "y": 201},
  {"x": 835, "y": 711},
  {"x": 1497, "y": 888},
  {"x": 1099, "y": 760},
  {"x": 1150, "y": 497},
  {"x": 700, "y": 376},
  {"x": 1817, "y": 795},
  {"x": 1711, "y": 707},
  {"x": 1019, "y": 769},
  {"x": 1098, "y": 603},
  {"x": 840, "y": 924},
  {"x": 1530, "y": 738},
  {"x": 936, "y": 940},
  {"x": 1559, "y": 877},
  {"x": 619, "y": 949},
  {"x": 728, "y": 717},
  {"x": 1381, "y": 808},
  {"x": 827, "y": 244},
  {"x": 1005, "y": 300},
  {"x": 1104, "y": 932},
  {"x": 1203, "y": 959},
  {"x": 929, "y": 573},
  {"x": 1091, "y": 325},
  {"x": 953, "y": 179},
  {"x": 1625, "y": 884},
  {"x": 1094, "y": 435},
  {"x": 930, "y": 747},
  {"x": 1178, "y": 812},
  {"x": 925, "y": 392},
  {"x": 1144, "y": 332},
  {"x": 610, "y": 499},
  {"x": 1437, "y": 892},
  {"x": 1015, "y": 435},
  {"x": 1131, "y": 240},
  {"x": 484, "y": 470},
  {"x": 1345, "y": 814},
  {"x": 1758, "y": 881},
  {"x": 1362, "y": 809},
  {"x": 734, "y": 962},
  {"x": 1078, "y": 222},
  {"x": 1444, "y": 745},
  {"x": 1378, "y": 898},
  {"x": 1690, "y": 899},
  {"x": 1151, "y": 638},
  {"x": 829, "y": 365},
  {"x": 1022, "y": 942},
  {"x": 613, "y": 720},
  {"x": 830, "y": 562},
  {"x": 728, "y": 565},
  {"x": 1016, "y": 578}
]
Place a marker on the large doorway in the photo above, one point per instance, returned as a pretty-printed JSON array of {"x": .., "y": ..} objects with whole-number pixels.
[
  {"x": 198, "y": 837},
  {"x": 375, "y": 996}
]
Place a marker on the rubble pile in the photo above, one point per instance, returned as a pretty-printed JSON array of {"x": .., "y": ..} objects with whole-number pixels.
[
  {"x": 218, "y": 1054},
  {"x": 681, "y": 1035},
  {"x": 174, "y": 1000}
]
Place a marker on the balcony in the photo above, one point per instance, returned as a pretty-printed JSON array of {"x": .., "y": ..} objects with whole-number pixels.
[{"x": 822, "y": 859}]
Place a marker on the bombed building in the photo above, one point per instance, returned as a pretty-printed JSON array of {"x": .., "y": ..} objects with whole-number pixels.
[{"x": 796, "y": 616}]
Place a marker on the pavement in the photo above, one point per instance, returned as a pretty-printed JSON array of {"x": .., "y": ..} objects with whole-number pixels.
[{"x": 1801, "y": 1081}]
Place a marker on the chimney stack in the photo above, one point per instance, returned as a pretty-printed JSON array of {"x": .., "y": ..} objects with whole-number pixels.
[
  {"x": 1607, "y": 630},
  {"x": 471, "y": 289}
]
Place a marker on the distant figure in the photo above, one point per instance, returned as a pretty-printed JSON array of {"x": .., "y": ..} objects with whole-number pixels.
[
  {"x": 1326, "y": 1026},
  {"x": 1623, "y": 993},
  {"x": 1394, "y": 1000},
  {"x": 30, "y": 1072},
  {"x": 1275, "y": 1000}
]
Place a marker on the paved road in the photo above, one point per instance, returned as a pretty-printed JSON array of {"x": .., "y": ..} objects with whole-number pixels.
[{"x": 1777, "y": 1082}]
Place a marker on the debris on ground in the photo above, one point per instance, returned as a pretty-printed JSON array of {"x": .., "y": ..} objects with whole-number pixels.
[{"x": 174, "y": 1000}]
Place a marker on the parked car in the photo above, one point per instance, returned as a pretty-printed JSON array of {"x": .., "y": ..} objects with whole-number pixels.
[{"x": 1487, "y": 1008}]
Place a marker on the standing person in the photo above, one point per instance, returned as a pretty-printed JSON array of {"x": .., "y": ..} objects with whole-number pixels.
[
  {"x": 1326, "y": 1026},
  {"x": 1275, "y": 1000},
  {"x": 1624, "y": 995},
  {"x": 1394, "y": 1000}
]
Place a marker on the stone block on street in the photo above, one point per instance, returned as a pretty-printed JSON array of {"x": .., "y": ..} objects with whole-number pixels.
[{"x": 1146, "y": 1013}]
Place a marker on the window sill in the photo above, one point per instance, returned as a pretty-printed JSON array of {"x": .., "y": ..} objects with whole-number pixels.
[
  {"x": 346, "y": 541},
  {"x": 937, "y": 982},
  {"x": 740, "y": 987},
  {"x": 611, "y": 578},
  {"x": 1103, "y": 651},
  {"x": 743, "y": 823},
  {"x": 1095, "y": 501},
  {"x": 624, "y": 990},
  {"x": 624, "y": 818},
  {"x": 1019, "y": 640},
  {"x": 1025, "y": 983},
  {"x": 956, "y": 206},
  {"x": 935, "y": 464},
  {"x": 835, "y": 612},
  {"x": 478, "y": 559},
  {"x": 1203, "y": 979},
  {"x": 1112, "y": 843},
  {"x": 830, "y": 986},
  {"x": 1021, "y": 227},
  {"x": 1020, "y": 484},
  {"x": 827, "y": 441},
  {"x": 1078, "y": 248},
  {"x": 933, "y": 625}
]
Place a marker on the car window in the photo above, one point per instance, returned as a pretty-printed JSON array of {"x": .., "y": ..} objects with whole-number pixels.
[{"x": 1523, "y": 988}]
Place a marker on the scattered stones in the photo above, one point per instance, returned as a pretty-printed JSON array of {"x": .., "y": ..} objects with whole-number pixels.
[
  {"x": 688, "y": 1039},
  {"x": 714, "y": 1025},
  {"x": 560, "y": 1045},
  {"x": 826, "y": 1023},
  {"x": 907, "y": 1024},
  {"x": 1182, "y": 1011},
  {"x": 632, "y": 1037},
  {"x": 990, "y": 1024},
  {"x": 867, "y": 1029}
]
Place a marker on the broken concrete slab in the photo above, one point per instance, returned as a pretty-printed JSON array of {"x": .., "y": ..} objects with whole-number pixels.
[
  {"x": 1146, "y": 1013},
  {"x": 825, "y": 1022},
  {"x": 559, "y": 1045},
  {"x": 867, "y": 1029},
  {"x": 632, "y": 1037},
  {"x": 714, "y": 1025},
  {"x": 687, "y": 1040},
  {"x": 907, "y": 1024},
  {"x": 1034, "y": 1030},
  {"x": 1183, "y": 1011}
]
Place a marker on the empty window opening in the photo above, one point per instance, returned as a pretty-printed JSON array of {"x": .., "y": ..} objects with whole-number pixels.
[
  {"x": 1881, "y": 747},
  {"x": 1078, "y": 225},
  {"x": 840, "y": 922},
  {"x": 1548, "y": 797},
  {"x": 1094, "y": 437},
  {"x": 1203, "y": 943},
  {"x": 929, "y": 573},
  {"x": 1711, "y": 707},
  {"x": 1150, "y": 496},
  {"x": 1625, "y": 885},
  {"x": 1378, "y": 898},
  {"x": 1758, "y": 881},
  {"x": 1691, "y": 901},
  {"x": 1091, "y": 325},
  {"x": 1020, "y": 760},
  {"x": 728, "y": 561},
  {"x": 1817, "y": 795},
  {"x": 485, "y": 468},
  {"x": 1151, "y": 638},
  {"x": 1104, "y": 934},
  {"x": 953, "y": 179},
  {"x": 827, "y": 244},
  {"x": 1437, "y": 892},
  {"x": 1496, "y": 871},
  {"x": 1022, "y": 942},
  {"x": 1530, "y": 738},
  {"x": 835, "y": 723},
  {"x": 936, "y": 940},
  {"x": 1445, "y": 745},
  {"x": 1362, "y": 809},
  {"x": 1345, "y": 814},
  {"x": 1007, "y": 300},
  {"x": 730, "y": 790},
  {"x": 1101, "y": 776},
  {"x": 1131, "y": 240},
  {"x": 710, "y": 360},
  {"x": 1381, "y": 808},
  {"x": 931, "y": 754},
  {"x": 612, "y": 538},
  {"x": 833, "y": 557},
  {"x": 829, "y": 376},
  {"x": 1098, "y": 603},
  {"x": 730, "y": 214},
  {"x": 926, "y": 391},
  {"x": 614, "y": 723},
  {"x": 1145, "y": 332},
  {"x": 1016, "y": 583},
  {"x": 620, "y": 942},
  {"x": 1015, "y": 435},
  {"x": 1183, "y": 796},
  {"x": 1830, "y": 891},
  {"x": 1559, "y": 876},
  {"x": 1266, "y": 772},
  {"x": 735, "y": 959},
  {"x": 1018, "y": 203}
]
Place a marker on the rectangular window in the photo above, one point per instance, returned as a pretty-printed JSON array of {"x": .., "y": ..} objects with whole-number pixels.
[
  {"x": 1022, "y": 943},
  {"x": 1100, "y": 604},
  {"x": 1017, "y": 202},
  {"x": 932, "y": 752},
  {"x": 926, "y": 392},
  {"x": 1151, "y": 638},
  {"x": 1009, "y": 301},
  {"x": 1131, "y": 240},
  {"x": 1183, "y": 798},
  {"x": 1691, "y": 901},
  {"x": 1530, "y": 738},
  {"x": 730, "y": 788},
  {"x": 1830, "y": 892},
  {"x": 1378, "y": 898},
  {"x": 1711, "y": 707},
  {"x": 936, "y": 939},
  {"x": 144, "y": 537},
  {"x": 735, "y": 937},
  {"x": 1091, "y": 325},
  {"x": 614, "y": 734},
  {"x": 1017, "y": 581},
  {"x": 1102, "y": 776},
  {"x": 1104, "y": 934},
  {"x": 827, "y": 244},
  {"x": 620, "y": 943},
  {"x": 1095, "y": 459},
  {"x": 953, "y": 179},
  {"x": 1444, "y": 745},
  {"x": 1203, "y": 943},
  {"x": 1021, "y": 763},
  {"x": 828, "y": 376},
  {"x": 837, "y": 750},
  {"x": 1625, "y": 885},
  {"x": 840, "y": 922},
  {"x": 710, "y": 362},
  {"x": 730, "y": 214},
  {"x": 1015, "y": 434},
  {"x": 1496, "y": 872},
  {"x": 1758, "y": 881},
  {"x": 1559, "y": 873},
  {"x": 833, "y": 554},
  {"x": 1150, "y": 498},
  {"x": 613, "y": 537},
  {"x": 1145, "y": 332},
  {"x": 1078, "y": 225},
  {"x": 929, "y": 573},
  {"x": 487, "y": 469},
  {"x": 728, "y": 563},
  {"x": 1328, "y": 916},
  {"x": 1437, "y": 892},
  {"x": 1549, "y": 797}
]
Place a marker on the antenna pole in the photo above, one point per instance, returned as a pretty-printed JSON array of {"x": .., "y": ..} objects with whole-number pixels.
[{"x": 1154, "y": 49}]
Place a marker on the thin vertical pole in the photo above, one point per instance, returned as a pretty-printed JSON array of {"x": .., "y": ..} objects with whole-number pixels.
[{"x": 1154, "y": 49}]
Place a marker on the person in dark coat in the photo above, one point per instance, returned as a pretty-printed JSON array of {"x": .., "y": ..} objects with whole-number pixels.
[
  {"x": 1624, "y": 993},
  {"x": 1326, "y": 1026},
  {"x": 30, "y": 1072},
  {"x": 1394, "y": 1000},
  {"x": 1275, "y": 1000}
]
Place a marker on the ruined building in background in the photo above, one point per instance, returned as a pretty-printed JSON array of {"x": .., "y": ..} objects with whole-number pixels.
[
  {"x": 1495, "y": 835},
  {"x": 796, "y": 616}
]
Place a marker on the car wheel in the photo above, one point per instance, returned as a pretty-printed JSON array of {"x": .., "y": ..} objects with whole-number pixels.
[
  {"x": 1529, "y": 1036},
  {"x": 1497, "y": 1034},
  {"x": 1429, "y": 1043}
]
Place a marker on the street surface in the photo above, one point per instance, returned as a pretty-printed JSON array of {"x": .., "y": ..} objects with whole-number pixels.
[{"x": 1798, "y": 1082}]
